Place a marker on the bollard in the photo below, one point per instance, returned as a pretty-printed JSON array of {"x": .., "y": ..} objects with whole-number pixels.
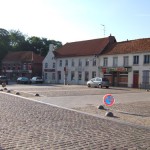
[{"x": 109, "y": 114}]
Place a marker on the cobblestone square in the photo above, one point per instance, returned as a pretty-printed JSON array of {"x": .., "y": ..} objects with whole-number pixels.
[{"x": 28, "y": 124}]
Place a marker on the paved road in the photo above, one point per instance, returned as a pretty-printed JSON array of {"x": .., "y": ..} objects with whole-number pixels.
[{"x": 27, "y": 124}]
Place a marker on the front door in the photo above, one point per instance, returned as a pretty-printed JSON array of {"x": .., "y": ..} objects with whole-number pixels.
[
  {"x": 135, "y": 79},
  {"x": 114, "y": 79}
]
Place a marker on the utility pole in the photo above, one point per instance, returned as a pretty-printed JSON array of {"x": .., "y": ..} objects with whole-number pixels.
[{"x": 103, "y": 28}]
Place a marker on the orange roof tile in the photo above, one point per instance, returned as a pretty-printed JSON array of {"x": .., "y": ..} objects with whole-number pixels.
[
  {"x": 23, "y": 56},
  {"x": 125, "y": 47},
  {"x": 84, "y": 48}
]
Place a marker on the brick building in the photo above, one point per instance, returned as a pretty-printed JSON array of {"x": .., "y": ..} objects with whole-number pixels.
[{"x": 22, "y": 63}]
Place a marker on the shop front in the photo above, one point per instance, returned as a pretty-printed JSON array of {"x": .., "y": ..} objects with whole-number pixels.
[{"x": 118, "y": 76}]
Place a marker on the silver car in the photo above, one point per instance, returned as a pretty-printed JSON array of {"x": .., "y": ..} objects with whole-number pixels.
[
  {"x": 98, "y": 82},
  {"x": 37, "y": 80}
]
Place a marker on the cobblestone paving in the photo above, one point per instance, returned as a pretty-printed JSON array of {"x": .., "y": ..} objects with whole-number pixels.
[
  {"x": 137, "y": 113},
  {"x": 72, "y": 90},
  {"x": 30, "y": 125},
  {"x": 136, "y": 108}
]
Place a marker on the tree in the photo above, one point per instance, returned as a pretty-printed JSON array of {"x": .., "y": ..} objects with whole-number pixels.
[
  {"x": 4, "y": 43},
  {"x": 17, "y": 40},
  {"x": 41, "y": 45}
]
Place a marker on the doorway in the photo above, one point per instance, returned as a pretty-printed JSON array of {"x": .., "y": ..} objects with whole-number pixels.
[{"x": 135, "y": 79}]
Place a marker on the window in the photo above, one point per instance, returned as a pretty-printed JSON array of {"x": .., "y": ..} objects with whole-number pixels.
[
  {"x": 72, "y": 63},
  {"x": 86, "y": 62},
  {"x": 60, "y": 63},
  {"x": 53, "y": 76},
  {"x": 66, "y": 62},
  {"x": 146, "y": 77},
  {"x": 72, "y": 75},
  {"x": 93, "y": 74},
  {"x": 126, "y": 61},
  {"x": 79, "y": 75},
  {"x": 105, "y": 62},
  {"x": 86, "y": 75},
  {"x": 46, "y": 65},
  {"x": 94, "y": 62},
  {"x": 135, "y": 60},
  {"x": 146, "y": 59},
  {"x": 53, "y": 65},
  {"x": 59, "y": 75},
  {"x": 24, "y": 66},
  {"x": 80, "y": 62},
  {"x": 115, "y": 61},
  {"x": 45, "y": 76}
]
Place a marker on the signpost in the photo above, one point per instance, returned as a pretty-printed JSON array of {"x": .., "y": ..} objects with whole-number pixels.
[{"x": 108, "y": 100}]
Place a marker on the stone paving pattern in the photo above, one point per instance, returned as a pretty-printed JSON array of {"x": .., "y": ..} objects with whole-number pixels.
[
  {"x": 28, "y": 125},
  {"x": 137, "y": 113}
]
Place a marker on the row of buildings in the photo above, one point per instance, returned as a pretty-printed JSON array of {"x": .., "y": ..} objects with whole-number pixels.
[{"x": 125, "y": 63}]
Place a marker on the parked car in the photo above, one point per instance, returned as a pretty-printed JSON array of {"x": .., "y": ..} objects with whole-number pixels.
[
  {"x": 23, "y": 80},
  {"x": 3, "y": 79},
  {"x": 36, "y": 80},
  {"x": 98, "y": 82}
]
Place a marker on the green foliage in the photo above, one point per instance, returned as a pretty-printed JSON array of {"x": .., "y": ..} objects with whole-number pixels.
[
  {"x": 15, "y": 41},
  {"x": 4, "y": 42}
]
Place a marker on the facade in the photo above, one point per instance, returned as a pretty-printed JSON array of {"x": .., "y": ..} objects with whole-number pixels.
[
  {"x": 23, "y": 63},
  {"x": 126, "y": 64},
  {"x": 76, "y": 62},
  {"x": 49, "y": 66}
]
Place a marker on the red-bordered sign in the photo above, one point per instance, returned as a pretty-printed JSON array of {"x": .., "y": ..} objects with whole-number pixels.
[{"x": 108, "y": 100}]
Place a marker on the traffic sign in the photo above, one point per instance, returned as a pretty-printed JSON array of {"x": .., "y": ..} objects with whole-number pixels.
[{"x": 108, "y": 100}]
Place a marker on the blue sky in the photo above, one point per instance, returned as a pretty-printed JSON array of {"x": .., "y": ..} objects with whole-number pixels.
[{"x": 76, "y": 20}]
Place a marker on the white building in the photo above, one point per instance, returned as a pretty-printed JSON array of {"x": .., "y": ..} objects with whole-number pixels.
[
  {"x": 127, "y": 63},
  {"x": 76, "y": 62},
  {"x": 124, "y": 63},
  {"x": 49, "y": 66}
]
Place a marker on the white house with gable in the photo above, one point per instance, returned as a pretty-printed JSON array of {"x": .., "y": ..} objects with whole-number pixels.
[
  {"x": 49, "y": 66},
  {"x": 75, "y": 62}
]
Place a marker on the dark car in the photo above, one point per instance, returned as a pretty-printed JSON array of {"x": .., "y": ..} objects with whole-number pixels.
[
  {"x": 36, "y": 80},
  {"x": 3, "y": 79},
  {"x": 98, "y": 82},
  {"x": 23, "y": 80}
]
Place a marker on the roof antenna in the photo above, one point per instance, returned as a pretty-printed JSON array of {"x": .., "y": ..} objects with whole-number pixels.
[{"x": 103, "y": 28}]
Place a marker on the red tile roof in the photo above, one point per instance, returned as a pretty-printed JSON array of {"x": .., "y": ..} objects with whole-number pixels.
[
  {"x": 23, "y": 56},
  {"x": 84, "y": 48},
  {"x": 133, "y": 46}
]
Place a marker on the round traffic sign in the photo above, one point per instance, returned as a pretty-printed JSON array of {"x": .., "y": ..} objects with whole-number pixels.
[{"x": 108, "y": 100}]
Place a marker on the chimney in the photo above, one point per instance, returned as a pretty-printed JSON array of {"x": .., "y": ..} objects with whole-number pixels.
[
  {"x": 51, "y": 47},
  {"x": 112, "y": 39}
]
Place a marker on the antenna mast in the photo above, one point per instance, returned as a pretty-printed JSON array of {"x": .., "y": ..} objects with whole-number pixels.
[{"x": 103, "y": 28}]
